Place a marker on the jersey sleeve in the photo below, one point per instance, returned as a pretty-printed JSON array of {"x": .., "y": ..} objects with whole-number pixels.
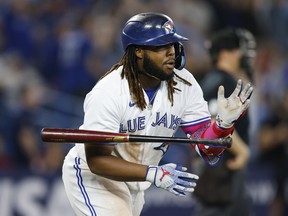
[
  {"x": 101, "y": 111},
  {"x": 211, "y": 155},
  {"x": 196, "y": 123},
  {"x": 196, "y": 111}
]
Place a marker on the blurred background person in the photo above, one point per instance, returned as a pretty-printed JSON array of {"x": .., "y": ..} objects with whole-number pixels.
[{"x": 221, "y": 189}]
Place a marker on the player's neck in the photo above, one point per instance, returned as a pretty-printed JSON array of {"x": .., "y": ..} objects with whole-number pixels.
[{"x": 148, "y": 82}]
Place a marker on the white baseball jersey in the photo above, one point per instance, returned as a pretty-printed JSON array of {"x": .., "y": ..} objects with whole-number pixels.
[{"x": 109, "y": 107}]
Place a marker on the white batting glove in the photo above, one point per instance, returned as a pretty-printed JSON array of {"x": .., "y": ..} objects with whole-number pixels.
[
  {"x": 231, "y": 108},
  {"x": 172, "y": 178}
]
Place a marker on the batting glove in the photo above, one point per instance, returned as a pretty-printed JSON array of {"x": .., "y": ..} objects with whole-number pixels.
[
  {"x": 172, "y": 178},
  {"x": 231, "y": 108}
]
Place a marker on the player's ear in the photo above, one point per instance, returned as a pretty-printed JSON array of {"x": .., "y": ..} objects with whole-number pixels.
[{"x": 139, "y": 52}]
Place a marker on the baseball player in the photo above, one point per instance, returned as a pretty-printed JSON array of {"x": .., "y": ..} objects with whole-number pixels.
[{"x": 148, "y": 92}]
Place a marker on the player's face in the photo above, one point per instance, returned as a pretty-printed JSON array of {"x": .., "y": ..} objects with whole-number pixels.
[{"x": 159, "y": 61}]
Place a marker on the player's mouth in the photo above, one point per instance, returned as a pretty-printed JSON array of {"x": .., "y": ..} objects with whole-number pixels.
[{"x": 170, "y": 64}]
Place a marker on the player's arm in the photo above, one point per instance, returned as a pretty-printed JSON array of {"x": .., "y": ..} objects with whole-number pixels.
[
  {"x": 99, "y": 115},
  {"x": 211, "y": 155},
  {"x": 229, "y": 111},
  {"x": 170, "y": 177},
  {"x": 101, "y": 162}
]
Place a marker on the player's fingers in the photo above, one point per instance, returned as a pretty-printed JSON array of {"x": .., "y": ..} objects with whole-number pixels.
[
  {"x": 246, "y": 93},
  {"x": 238, "y": 88},
  {"x": 221, "y": 92},
  {"x": 173, "y": 165},
  {"x": 188, "y": 176},
  {"x": 246, "y": 105},
  {"x": 183, "y": 189},
  {"x": 186, "y": 183},
  {"x": 181, "y": 168},
  {"x": 178, "y": 193},
  {"x": 250, "y": 92}
]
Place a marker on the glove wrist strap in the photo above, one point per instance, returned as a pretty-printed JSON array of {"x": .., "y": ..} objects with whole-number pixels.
[
  {"x": 151, "y": 173},
  {"x": 222, "y": 124},
  {"x": 221, "y": 132}
]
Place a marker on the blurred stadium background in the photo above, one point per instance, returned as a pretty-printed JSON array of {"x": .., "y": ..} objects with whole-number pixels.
[{"x": 53, "y": 51}]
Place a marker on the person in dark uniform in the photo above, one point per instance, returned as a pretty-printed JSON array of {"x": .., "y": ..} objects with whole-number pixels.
[{"x": 221, "y": 189}]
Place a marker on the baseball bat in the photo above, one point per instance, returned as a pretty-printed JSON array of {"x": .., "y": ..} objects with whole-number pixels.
[{"x": 62, "y": 135}]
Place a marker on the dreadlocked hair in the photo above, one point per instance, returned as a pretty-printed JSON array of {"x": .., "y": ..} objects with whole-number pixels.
[{"x": 130, "y": 71}]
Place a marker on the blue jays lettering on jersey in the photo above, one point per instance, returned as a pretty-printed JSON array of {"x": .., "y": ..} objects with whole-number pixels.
[
  {"x": 171, "y": 122},
  {"x": 167, "y": 121}
]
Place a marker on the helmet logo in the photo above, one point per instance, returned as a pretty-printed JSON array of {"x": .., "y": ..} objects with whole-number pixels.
[{"x": 169, "y": 26}]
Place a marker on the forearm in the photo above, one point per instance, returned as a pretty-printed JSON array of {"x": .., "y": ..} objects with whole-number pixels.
[
  {"x": 101, "y": 162},
  {"x": 117, "y": 169},
  {"x": 207, "y": 130},
  {"x": 228, "y": 112},
  {"x": 170, "y": 177},
  {"x": 214, "y": 131}
]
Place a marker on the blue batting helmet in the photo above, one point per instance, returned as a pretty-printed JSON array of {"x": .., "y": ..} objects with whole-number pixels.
[{"x": 150, "y": 29}]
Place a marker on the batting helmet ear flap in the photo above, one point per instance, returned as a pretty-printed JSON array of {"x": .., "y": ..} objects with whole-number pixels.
[{"x": 180, "y": 59}]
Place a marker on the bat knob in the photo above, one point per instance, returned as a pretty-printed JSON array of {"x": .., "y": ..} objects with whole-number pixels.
[{"x": 227, "y": 142}]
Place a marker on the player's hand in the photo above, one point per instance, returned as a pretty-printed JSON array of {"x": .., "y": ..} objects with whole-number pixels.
[
  {"x": 231, "y": 108},
  {"x": 172, "y": 178}
]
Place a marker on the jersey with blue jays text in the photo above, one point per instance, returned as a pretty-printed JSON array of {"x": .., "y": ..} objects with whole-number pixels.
[{"x": 109, "y": 107}]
